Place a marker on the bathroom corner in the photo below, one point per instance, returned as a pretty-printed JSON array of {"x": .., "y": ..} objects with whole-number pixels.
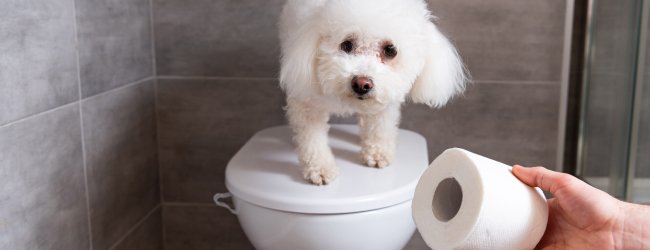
[{"x": 78, "y": 142}]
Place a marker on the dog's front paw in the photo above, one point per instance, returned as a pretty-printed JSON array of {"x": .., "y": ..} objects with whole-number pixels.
[
  {"x": 377, "y": 157},
  {"x": 320, "y": 175}
]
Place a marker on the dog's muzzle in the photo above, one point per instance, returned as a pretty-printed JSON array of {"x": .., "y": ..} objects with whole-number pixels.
[{"x": 361, "y": 85}]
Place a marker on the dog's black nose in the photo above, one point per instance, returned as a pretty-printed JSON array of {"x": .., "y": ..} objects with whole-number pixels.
[{"x": 362, "y": 85}]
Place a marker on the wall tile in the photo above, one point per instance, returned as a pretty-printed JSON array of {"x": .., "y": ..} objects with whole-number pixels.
[
  {"x": 203, "y": 123},
  {"x": 202, "y": 227},
  {"x": 148, "y": 235},
  {"x": 511, "y": 123},
  {"x": 120, "y": 141},
  {"x": 38, "y": 67},
  {"x": 42, "y": 189},
  {"x": 114, "y": 43},
  {"x": 343, "y": 119},
  {"x": 506, "y": 40},
  {"x": 217, "y": 38}
]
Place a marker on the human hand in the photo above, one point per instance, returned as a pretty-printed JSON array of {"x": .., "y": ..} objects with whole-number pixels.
[{"x": 580, "y": 216}]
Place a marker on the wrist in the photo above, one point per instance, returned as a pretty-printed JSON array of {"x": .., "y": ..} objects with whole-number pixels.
[{"x": 632, "y": 226}]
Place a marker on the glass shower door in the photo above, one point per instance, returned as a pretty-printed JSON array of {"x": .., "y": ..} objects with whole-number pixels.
[
  {"x": 614, "y": 140},
  {"x": 639, "y": 186}
]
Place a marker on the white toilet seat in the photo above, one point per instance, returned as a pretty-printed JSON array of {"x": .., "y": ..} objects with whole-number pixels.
[{"x": 265, "y": 172}]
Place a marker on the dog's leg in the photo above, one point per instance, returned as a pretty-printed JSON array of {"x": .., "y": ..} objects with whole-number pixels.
[
  {"x": 309, "y": 123},
  {"x": 378, "y": 135}
]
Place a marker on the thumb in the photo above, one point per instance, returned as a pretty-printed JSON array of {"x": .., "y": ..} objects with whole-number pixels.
[{"x": 543, "y": 178}]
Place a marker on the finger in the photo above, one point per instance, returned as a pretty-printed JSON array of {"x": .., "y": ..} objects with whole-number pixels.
[{"x": 541, "y": 177}]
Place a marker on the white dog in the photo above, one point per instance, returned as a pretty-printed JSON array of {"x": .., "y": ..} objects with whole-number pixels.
[{"x": 366, "y": 57}]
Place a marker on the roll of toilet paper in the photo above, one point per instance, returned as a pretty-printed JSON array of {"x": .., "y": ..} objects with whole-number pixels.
[{"x": 466, "y": 201}]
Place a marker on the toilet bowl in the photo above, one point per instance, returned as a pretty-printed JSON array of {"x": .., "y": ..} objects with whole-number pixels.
[{"x": 364, "y": 208}]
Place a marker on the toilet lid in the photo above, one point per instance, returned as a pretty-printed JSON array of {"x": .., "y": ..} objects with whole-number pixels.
[{"x": 266, "y": 172}]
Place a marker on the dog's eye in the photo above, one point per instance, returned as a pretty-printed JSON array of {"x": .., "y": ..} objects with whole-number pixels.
[
  {"x": 347, "y": 46},
  {"x": 390, "y": 51}
]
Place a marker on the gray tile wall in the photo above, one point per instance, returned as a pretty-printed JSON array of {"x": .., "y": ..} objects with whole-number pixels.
[
  {"x": 506, "y": 40},
  {"x": 115, "y": 43},
  {"x": 217, "y": 38},
  {"x": 121, "y": 160},
  {"x": 42, "y": 183},
  {"x": 203, "y": 123},
  {"x": 202, "y": 227},
  {"x": 519, "y": 129},
  {"x": 217, "y": 64},
  {"x": 78, "y": 147},
  {"x": 146, "y": 235},
  {"x": 38, "y": 64}
]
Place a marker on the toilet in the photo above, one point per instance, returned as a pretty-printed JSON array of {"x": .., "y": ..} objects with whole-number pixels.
[{"x": 364, "y": 208}]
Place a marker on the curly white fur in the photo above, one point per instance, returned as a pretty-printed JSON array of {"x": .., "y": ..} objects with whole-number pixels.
[{"x": 318, "y": 70}]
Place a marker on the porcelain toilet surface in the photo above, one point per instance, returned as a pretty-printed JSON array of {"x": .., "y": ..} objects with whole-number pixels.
[{"x": 364, "y": 208}]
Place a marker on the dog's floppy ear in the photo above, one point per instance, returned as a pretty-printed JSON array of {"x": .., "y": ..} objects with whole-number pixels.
[
  {"x": 443, "y": 75},
  {"x": 299, "y": 45}
]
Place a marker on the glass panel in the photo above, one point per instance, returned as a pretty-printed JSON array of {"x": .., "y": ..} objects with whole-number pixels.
[
  {"x": 608, "y": 94},
  {"x": 641, "y": 184},
  {"x": 642, "y": 173}
]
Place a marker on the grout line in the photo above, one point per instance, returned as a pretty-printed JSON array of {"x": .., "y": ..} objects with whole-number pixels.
[
  {"x": 167, "y": 77},
  {"x": 154, "y": 61},
  {"x": 173, "y": 77},
  {"x": 134, "y": 227},
  {"x": 155, "y": 97},
  {"x": 37, "y": 113},
  {"x": 163, "y": 230},
  {"x": 11, "y": 123},
  {"x": 79, "y": 99},
  {"x": 516, "y": 82},
  {"x": 157, "y": 117},
  {"x": 246, "y": 78},
  {"x": 85, "y": 170},
  {"x": 81, "y": 127},
  {"x": 128, "y": 85},
  {"x": 188, "y": 204},
  {"x": 160, "y": 176},
  {"x": 152, "y": 35}
]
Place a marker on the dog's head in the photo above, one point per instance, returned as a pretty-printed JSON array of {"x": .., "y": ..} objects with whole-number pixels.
[{"x": 370, "y": 53}]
